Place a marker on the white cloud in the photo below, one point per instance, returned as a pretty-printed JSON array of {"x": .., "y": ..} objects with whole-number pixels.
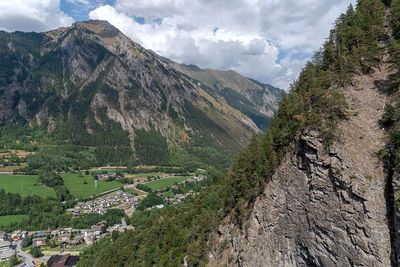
[
  {"x": 268, "y": 40},
  {"x": 32, "y": 15}
]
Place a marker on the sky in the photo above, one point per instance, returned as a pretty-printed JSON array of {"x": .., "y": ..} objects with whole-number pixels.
[{"x": 267, "y": 40}]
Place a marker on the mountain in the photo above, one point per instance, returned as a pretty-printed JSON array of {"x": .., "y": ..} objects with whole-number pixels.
[
  {"x": 256, "y": 100},
  {"x": 92, "y": 86},
  {"x": 319, "y": 188}
]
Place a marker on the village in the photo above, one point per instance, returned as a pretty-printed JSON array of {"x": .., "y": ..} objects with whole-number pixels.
[
  {"x": 125, "y": 200},
  {"x": 65, "y": 241},
  {"x": 119, "y": 199}
]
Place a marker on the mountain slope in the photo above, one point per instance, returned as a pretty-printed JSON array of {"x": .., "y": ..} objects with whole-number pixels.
[
  {"x": 329, "y": 200},
  {"x": 93, "y": 86},
  {"x": 256, "y": 100},
  {"x": 325, "y": 207}
]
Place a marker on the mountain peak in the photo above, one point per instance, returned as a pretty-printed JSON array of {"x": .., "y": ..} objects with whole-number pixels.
[{"x": 100, "y": 27}]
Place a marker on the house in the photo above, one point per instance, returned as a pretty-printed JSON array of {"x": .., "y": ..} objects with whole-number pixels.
[
  {"x": 41, "y": 233},
  {"x": 72, "y": 243},
  {"x": 39, "y": 241},
  {"x": 108, "y": 176},
  {"x": 64, "y": 237},
  {"x": 3, "y": 236},
  {"x": 5, "y": 250},
  {"x": 18, "y": 234},
  {"x": 62, "y": 261},
  {"x": 102, "y": 224},
  {"x": 65, "y": 230}
]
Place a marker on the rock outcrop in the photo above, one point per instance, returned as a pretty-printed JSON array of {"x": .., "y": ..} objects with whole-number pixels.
[{"x": 324, "y": 206}]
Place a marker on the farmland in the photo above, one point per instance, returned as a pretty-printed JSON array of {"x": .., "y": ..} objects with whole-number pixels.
[
  {"x": 78, "y": 189},
  {"x": 6, "y": 220},
  {"x": 24, "y": 185},
  {"x": 165, "y": 183}
]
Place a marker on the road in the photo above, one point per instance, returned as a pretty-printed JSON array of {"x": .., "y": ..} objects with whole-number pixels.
[
  {"x": 28, "y": 260},
  {"x": 124, "y": 225}
]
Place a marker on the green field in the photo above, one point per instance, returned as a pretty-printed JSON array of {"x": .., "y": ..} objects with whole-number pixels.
[
  {"x": 165, "y": 183},
  {"x": 24, "y": 185},
  {"x": 78, "y": 189},
  {"x": 141, "y": 175},
  {"x": 6, "y": 220}
]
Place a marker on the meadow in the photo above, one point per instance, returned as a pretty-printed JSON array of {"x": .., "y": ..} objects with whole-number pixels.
[
  {"x": 24, "y": 185},
  {"x": 165, "y": 183},
  {"x": 78, "y": 189},
  {"x": 7, "y": 220}
]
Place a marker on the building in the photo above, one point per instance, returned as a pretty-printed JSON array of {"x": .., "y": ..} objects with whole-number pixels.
[
  {"x": 72, "y": 243},
  {"x": 108, "y": 176},
  {"x": 62, "y": 261},
  {"x": 18, "y": 234},
  {"x": 5, "y": 250},
  {"x": 64, "y": 237},
  {"x": 3, "y": 236},
  {"x": 39, "y": 241}
]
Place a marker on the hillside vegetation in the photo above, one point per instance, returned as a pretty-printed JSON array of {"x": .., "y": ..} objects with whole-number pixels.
[{"x": 315, "y": 102}]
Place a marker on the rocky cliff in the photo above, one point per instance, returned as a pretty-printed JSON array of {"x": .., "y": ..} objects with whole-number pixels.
[{"x": 324, "y": 207}]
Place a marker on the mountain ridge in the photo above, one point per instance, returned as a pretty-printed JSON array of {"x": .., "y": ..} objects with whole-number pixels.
[
  {"x": 259, "y": 102},
  {"x": 92, "y": 76}
]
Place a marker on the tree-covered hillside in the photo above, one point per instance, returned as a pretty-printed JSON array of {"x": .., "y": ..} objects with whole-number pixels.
[{"x": 315, "y": 103}]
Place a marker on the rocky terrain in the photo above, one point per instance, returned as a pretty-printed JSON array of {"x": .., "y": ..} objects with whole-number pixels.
[{"x": 323, "y": 207}]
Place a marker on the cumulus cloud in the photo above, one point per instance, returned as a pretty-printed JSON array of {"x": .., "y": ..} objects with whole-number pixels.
[
  {"x": 267, "y": 40},
  {"x": 32, "y": 15}
]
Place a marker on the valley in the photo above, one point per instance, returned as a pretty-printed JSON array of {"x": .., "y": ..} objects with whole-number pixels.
[{"x": 112, "y": 155}]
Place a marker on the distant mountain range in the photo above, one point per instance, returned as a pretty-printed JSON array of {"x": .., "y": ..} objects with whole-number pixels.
[{"x": 91, "y": 83}]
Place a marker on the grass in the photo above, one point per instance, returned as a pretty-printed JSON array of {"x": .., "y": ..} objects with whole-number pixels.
[
  {"x": 78, "y": 189},
  {"x": 141, "y": 175},
  {"x": 132, "y": 191},
  {"x": 165, "y": 183},
  {"x": 24, "y": 185},
  {"x": 6, "y": 220}
]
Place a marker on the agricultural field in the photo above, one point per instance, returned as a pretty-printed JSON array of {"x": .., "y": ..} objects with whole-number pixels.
[
  {"x": 166, "y": 182},
  {"x": 79, "y": 189},
  {"x": 24, "y": 185},
  {"x": 6, "y": 220}
]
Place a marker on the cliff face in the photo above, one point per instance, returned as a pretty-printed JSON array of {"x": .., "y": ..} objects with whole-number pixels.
[{"x": 323, "y": 207}]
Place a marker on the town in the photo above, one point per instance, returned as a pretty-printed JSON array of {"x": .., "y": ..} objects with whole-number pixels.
[
  {"x": 113, "y": 200},
  {"x": 65, "y": 242}
]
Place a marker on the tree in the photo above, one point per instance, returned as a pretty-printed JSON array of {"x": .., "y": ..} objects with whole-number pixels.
[
  {"x": 13, "y": 260},
  {"x": 114, "y": 235},
  {"x": 36, "y": 252},
  {"x": 27, "y": 241}
]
